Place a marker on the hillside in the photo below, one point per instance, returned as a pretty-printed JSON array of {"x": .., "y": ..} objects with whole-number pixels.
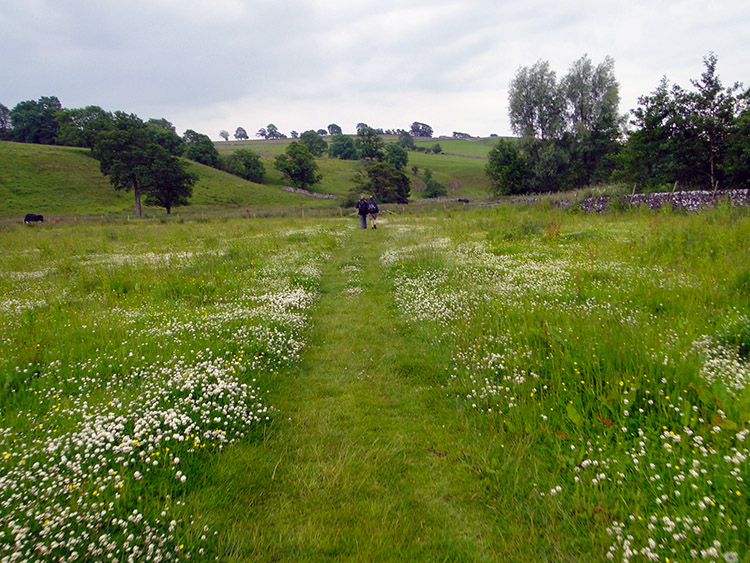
[{"x": 65, "y": 181}]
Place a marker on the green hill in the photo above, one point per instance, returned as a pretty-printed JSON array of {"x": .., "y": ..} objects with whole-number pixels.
[{"x": 65, "y": 181}]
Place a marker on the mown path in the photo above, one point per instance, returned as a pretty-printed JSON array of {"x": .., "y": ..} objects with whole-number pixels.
[{"x": 366, "y": 463}]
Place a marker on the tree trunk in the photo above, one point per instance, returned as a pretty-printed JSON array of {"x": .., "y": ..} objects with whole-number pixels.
[{"x": 137, "y": 193}]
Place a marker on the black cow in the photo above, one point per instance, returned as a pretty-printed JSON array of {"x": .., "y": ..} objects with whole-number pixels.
[{"x": 33, "y": 218}]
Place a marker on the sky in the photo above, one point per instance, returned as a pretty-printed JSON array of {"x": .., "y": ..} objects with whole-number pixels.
[{"x": 212, "y": 65}]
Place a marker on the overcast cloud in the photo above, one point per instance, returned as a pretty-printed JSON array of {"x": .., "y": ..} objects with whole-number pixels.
[{"x": 302, "y": 64}]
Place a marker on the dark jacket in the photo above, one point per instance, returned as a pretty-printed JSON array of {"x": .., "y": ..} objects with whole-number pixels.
[
  {"x": 362, "y": 206},
  {"x": 372, "y": 206}
]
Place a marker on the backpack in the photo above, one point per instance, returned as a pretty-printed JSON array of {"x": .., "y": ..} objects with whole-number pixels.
[{"x": 372, "y": 207}]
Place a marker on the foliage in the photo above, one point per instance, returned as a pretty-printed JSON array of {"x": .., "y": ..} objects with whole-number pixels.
[
  {"x": 224, "y": 134},
  {"x": 421, "y": 129},
  {"x": 383, "y": 181},
  {"x": 5, "y": 124},
  {"x": 433, "y": 188},
  {"x": 342, "y": 146},
  {"x": 240, "y": 134},
  {"x": 81, "y": 127},
  {"x": 689, "y": 137},
  {"x": 334, "y": 129},
  {"x": 200, "y": 148},
  {"x": 172, "y": 184},
  {"x": 34, "y": 121},
  {"x": 405, "y": 140},
  {"x": 298, "y": 165},
  {"x": 436, "y": 148},
  {"x": 507, "y": 169},
  {"x": 245, "y": 164},
  {"x": 270, "y": 131},
  {"x": 132, "y": 162},
  {"x": 369, "y": 144},
  {"x": 313, "y": 142},
  {"x": 535, "y": 102},
  {"x": 163, "y": 133},
  {"x": 396, "y": 156}
]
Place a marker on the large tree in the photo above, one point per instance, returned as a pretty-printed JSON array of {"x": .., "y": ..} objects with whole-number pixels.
[
  {"x": 396, "y": 156},
  {"x": 200, "y": 148},
  {"x": 506, "y": 169},
  {"x": 383, "y": 181},
  {"x": 342, "y": 146},
  {"x": 132, "y": 162},
  {"x": 35, "y": 122},
  {"x": 172, "y": 184},
  {"x": 421, "y": 129},
  {"x": 245, "y": 164},
  {"x": 5, "y": 125},
  {"x": 314, "y": 142},
  {"x": 369, "y": 144},
  {"x": 81, "y": 127},
  {"x": 684, "y": 136},
  {"x": 536, "y": 102},
  {"x": 298, "y": 165},
  {"x": 334, "y": 129},
  {"x": 240, "y": 134}
]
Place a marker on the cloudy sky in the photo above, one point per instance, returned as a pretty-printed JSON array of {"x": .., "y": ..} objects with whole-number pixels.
[{"x": 210, "y": 65}]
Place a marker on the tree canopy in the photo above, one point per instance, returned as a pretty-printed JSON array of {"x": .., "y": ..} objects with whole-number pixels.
[
  {"x": 35, "y": 121},
  {"x": 298, "y": 165},
  {"x": 369, "y": 144},
  {"x": 314, "y": 142},
  {"x": 133, "y": 162},
  {"x": 200, "y": 148},
  {"x": 240, "y": 134},
  {"x": 245, "y": 164},
  {"x": 383, "y": 181},
  {"x": 342, "y": 147}
]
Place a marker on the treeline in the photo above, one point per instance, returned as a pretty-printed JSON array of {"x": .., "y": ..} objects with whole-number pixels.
[{"x": 571, "y": 134}]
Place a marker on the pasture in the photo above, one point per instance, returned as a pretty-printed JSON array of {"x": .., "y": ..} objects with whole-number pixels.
[{"x": 515, "y": 383}]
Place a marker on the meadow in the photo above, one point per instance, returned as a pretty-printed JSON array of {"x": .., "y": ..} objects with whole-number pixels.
[{"x": 514, "y": 383}]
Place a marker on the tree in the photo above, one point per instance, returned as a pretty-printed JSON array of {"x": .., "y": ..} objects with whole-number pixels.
[
  {"x": 322, "y": 132},
  {"x": 405, "y": 140},
  {"x": 396, "y": 156},
  {"x": 262, "y": 133},
  {"x": 342, "y": 147},
  {"x": 334, "y": 129},
  {"x": 5, "y": 125},
  {"x": 387, "y": 184},
  {"x": 436, "y": 148},
  {"x": 240, "y": 134},
  {"x": 361, "y": 126},
  {"x": 224, "y": 134},
  {"x": 81, "y": 127},
  {"x": 298, "y": 165},
  {"x": 421, "y": 130},
  {"x": 35, "y": 122},
  {"x": 172, "y": 183},
  {"x": 536, "y": 102},
  {"x": 200, "y": 148},
  {"x": 245, "y": 164},
  {"x": 162, "y": 132},
  {"x": 130, "y": 161},
  {"x": 314, "y": 142},
  {"x": 369, "y": 144},
  {"x": 433, "y": 188},
  {"x": 272, "y": 132},
  {"x": 506, "y": 169},
  {"x": 294, "y": 134},
  {"x": 685, "y": 136}
]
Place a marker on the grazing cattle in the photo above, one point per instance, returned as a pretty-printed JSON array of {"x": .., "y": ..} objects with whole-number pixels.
[{"x": 33, "y": 218}]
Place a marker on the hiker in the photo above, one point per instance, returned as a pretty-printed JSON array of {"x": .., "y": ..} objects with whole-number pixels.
[
  {"x": 362, "y": 210},
  {"x": 372, "y": 210}
]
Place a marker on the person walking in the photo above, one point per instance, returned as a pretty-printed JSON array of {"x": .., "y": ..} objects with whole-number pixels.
[
  {"x": 372, "y": 210},
  {"x": 362, "y": 210}
]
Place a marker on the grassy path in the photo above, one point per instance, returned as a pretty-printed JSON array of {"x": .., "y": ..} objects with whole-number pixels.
[{"x": 370, "y": 464}]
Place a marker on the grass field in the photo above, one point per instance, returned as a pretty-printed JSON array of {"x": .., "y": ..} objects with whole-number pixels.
[{"x": 507, "y": 384}]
